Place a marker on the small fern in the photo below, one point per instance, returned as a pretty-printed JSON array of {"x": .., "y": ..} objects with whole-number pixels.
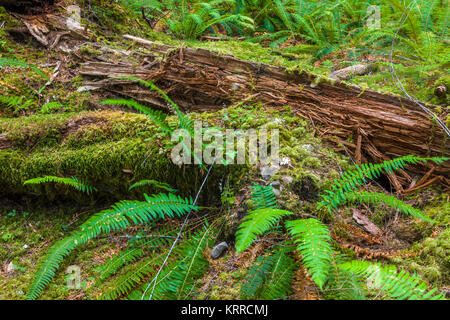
[
  {"x": 156, "y": 184},
  {"x": 11, "y": 101},
  {"x": 396, "y": 285},
  {"x": 157, "y": 116},
  {"x": 278, "y": 283},
  {"x": 313, "y": 242},
  {"x": 138, "y": 272},
  {"x": 353, "y": 179},
  {"x": 256, "y": 223},
  {"x": 270, "y": 276},
  {"x": 71, "y": 182},
  {"x": 136, "y": 250},
  {"x": 342, "y": 284},
  {"x": 256, "y": 276},
  {"x": 263, "y": 197},
  {"x": 8, "y": 62},
  {"x": 372, "y": 197},
  {"x": 178, "y": 280}
]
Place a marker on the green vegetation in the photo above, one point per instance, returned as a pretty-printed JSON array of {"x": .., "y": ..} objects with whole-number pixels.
[{"x": 82, "y": 169}]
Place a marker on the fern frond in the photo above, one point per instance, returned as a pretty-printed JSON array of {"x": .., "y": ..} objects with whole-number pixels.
[
  {"x": 342, "y": 284},
  {"x": 256, "y": 276},
  {"x": 157, "y": 116},
  {"x": 313, "y": 242},
  {"x": 178, "y": 279},
  {"x": 353, "y": 179},
  {"x": 155, "y": 183},
  {"x": 195, "y": 266},
  {"x": 263, "y": 197},
  {"x": 372, "y": 197},
  {"x": 8, "y": 62},
  {"x": 11, "y": 101},
  {"x": 71, "y": 182},
  {"x": 278, "y": 283},
  {"x": 256, "y": 223},
  {"x": 137, "y": 248},
  {"x": 127, "y": 282},
  {"x": 49, "y": 266},
  {"x": 114, "y": 264},
  {"x": 396, "y": 285},
  {"x": 122, "y": 215}
]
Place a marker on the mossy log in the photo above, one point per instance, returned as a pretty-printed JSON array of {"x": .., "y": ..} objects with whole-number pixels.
[
  {"x": 111, "y": 150},
  {"x": 381, "y": 125},
  {"x": 370, "y": 125}
]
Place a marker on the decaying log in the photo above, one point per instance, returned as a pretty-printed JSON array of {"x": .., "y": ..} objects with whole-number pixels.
[
  {"x": 383, "y": 126},
  {"x": 200, "y": 80}
]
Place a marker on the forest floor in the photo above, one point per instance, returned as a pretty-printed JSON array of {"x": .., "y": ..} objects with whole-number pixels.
[{"x": 114, "y": 147}]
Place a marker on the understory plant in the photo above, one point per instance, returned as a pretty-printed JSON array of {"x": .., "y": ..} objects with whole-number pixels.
[{"x": 311, "y": 239}]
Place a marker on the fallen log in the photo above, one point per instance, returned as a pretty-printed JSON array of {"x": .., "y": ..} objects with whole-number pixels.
[
  {"x": 201, "y": 80},
  {"x": 386, "y": 125}
]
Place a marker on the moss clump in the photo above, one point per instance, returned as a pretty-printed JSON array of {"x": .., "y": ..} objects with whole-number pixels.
[{"x": 433, "y": 260}]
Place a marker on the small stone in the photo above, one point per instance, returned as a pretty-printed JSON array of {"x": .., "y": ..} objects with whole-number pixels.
[
  {"x": 287, "y": 179},
  {"x": 276, "y": 192},
  {"x": 285, "y": 161},
  {"x": 268, "y": 172},
  {"x": 308, "y": 147},
  {"x": 275, "y": 183},
  {"x": 440, "y": 91},
  {"x": 25, "y": 246},
  {"x": 218, "y": 250},
  {"x": 10, "y": 268}
]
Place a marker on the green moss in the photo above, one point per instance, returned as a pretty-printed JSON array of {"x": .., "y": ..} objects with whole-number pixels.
[
  {"x": 433, "y": 260},
  {"x": 226, "y": 286},
  {"x": 89, "y": 50},
  {"x": 32, "y": 233}
]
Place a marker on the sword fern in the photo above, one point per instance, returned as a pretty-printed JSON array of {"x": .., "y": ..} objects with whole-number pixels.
[{"x": 121, "y": 216}]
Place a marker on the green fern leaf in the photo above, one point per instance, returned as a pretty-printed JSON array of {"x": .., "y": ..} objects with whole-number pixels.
[
  {"x": 71, "y": 182},
  {"x": 157, "y": 116},
  {"x": 351, "y": 180},
  {"x": 157, "y": 184},
  {"x": 263, "y": 197},
  {"x": 256, "y": 223},
  {"x": 396, "y": 285},
  {"x": 313, "y": 242},
  {"x": 278, "y": 283},
  {"x": 371, "y": 197},
  {"x": 256, "y": 276}
]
